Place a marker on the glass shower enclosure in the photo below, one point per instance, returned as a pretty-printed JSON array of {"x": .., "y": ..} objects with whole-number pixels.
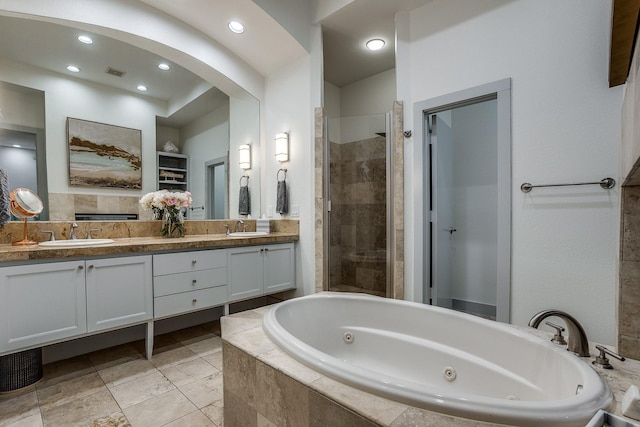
[{"x": 358, "y": 153}]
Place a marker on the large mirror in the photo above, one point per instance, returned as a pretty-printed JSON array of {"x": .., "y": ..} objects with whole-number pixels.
[{"x": 179, "y": 110}]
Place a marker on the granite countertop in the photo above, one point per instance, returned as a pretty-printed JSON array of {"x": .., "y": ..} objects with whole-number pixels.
[
  {"x": 244, "y": 331},
  {"x": 128, "y": 245}
]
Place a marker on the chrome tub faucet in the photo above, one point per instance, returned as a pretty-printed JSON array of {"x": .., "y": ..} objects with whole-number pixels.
[{"x": 578, "y": 342}]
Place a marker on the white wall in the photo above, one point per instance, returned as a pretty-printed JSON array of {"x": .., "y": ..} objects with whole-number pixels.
[
  {"x": 372, "y": 95},
  {"x": 286, "y": 109},
  {"x": 66, "y": 97},
  {"x": 630, "y": 151},
  {"x": 20, "y": 166},
  {"x": 204, "y": 139},
  {"x": 475, "y": 200},
  {"x": 565, "y": 128}
]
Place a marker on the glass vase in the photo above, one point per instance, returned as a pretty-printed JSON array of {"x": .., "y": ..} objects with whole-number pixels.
[{"x": 173, "y": 223}]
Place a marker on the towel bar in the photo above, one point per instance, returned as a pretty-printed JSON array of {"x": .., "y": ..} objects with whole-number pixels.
[
  {"x": 278, "y": 174},
  {"x": 606, "y": 183}
]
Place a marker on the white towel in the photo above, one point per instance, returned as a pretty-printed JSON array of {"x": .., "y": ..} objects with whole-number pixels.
[{"x": 5, "y": 214}]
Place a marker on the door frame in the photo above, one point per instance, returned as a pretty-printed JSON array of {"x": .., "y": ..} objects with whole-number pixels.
[
  {"x": 209, "y": 167},
  {"x": 501, "y": 90}
]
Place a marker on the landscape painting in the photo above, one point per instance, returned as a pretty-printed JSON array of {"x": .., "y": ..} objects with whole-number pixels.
[{"x": 102, "y": 155}]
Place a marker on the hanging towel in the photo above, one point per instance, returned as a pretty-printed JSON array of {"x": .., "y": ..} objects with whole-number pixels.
[
  {"x": 5, "y": 214},
  {"x": 282, "y": 203},
  {"x": 244, "y": 205}
]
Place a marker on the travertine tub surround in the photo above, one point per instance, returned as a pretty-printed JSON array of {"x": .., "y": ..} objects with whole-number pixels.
[{"x": 263, "y": 386}]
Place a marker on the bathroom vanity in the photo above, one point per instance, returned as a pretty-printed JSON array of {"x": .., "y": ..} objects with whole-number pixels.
[{"x": 50, "y": 295}]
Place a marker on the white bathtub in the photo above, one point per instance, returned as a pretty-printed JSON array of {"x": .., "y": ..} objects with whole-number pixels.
[{"x": 438, "y": 359}]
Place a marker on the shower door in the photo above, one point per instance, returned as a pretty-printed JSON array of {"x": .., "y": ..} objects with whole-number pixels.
[{"x": 358, "y": 153}]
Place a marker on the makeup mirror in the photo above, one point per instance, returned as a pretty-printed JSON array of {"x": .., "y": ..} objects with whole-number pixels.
[{"x": 25, "y": 204}]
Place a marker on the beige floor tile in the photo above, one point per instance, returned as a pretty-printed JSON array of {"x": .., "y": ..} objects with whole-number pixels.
[
  {"x": 114, "y": 420},
  {"x": 205, "y": 345},
  {"x": 194, "y": 419},
  {"x": 215, "y": 412},
  {"x": 114, "y": 356},
  {"x": 65, "y": 370},
  {"x": 15, "y": 407},
  {"x": 188, "y": 372},
  {"x": 143, "y": 388},
  {"x": 126, "y": 372},
  {"x": 34, "y": 420},
  {"x": 159, "y": 410},
  {"x": 69, "y": 390},
  {"x": 81, "y": 412},
  {"x": 173, "y": 356},
  {"x": 205, "y": 391},
  {"x": 215, "y": 359}
]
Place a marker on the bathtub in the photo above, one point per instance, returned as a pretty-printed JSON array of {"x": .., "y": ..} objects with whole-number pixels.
[{"x": 438, "y": 359}]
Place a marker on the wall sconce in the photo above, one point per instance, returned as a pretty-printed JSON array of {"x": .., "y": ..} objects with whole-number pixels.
[
  {"x": 244, "y": 156},
  {"x": 282, "y": 147}
]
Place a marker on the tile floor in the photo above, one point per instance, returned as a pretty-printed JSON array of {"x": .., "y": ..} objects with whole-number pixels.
[{"x": 180, "y": 386}]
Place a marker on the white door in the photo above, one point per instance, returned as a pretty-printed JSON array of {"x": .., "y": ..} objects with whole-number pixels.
[{"x": 443, "y": 230}]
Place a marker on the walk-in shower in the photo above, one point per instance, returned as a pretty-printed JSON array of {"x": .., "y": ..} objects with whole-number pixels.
[{"x": 358, "y": 153}]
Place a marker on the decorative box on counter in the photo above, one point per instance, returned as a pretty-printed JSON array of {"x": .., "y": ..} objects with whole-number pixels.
[{"x": 263, "y": 225}]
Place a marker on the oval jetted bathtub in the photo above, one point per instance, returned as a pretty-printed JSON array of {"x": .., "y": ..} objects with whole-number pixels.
[{"x": 438, "y": 359}]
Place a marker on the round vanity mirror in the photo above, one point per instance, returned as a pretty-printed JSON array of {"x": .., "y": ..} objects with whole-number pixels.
[{"x": 24, "y": 204}]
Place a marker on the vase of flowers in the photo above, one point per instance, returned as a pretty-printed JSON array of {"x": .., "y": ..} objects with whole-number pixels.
[{"x": 168, "y": 206}]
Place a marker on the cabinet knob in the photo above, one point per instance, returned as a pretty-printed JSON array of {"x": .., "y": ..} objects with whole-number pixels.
[
  {"x": 194, "y": 301},
  {"x": 193, "y": 282},
  {"x": 80, "y": 267},
  {"x": 193, "y": 262},
  {"x": 91, "y": 266}
]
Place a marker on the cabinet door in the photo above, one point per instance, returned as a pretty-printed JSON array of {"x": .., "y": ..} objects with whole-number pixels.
[
  {"x": 245, "y": 272},
  {"x": 119, "y": 292},
  {"x": 41, "y": 303},
  {"x": 279, "y": 268}
]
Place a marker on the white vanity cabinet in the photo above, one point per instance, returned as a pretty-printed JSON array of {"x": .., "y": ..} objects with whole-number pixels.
[
  {"x": 41, "y": 303},
  {"x": 189, "y": 281},
  {"x": 119, "y": 292},
  {"x": 260, "y": 270}
]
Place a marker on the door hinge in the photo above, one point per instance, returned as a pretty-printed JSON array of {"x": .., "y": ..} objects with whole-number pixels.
[{"x": 328, "y": 205}]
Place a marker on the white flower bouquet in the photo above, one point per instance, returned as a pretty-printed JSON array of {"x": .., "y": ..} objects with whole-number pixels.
[{"x": 168, "y": 206}]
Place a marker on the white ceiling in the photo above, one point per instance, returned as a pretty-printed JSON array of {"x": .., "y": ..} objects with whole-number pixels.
[
  {"x": 265, "y": 45},
  {"x": 346, "y": 59}
]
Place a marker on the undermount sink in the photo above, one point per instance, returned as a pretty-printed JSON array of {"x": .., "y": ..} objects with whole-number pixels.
[
  {"x": 75, "y": 242},
  {"x": 248, "y": 234}
]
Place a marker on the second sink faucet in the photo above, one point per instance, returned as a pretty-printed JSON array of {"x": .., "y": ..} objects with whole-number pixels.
[
  {"x": 578, "y": 342},
  {"x": 72, "y": 234},
  {"x": 240, "y": 222}
]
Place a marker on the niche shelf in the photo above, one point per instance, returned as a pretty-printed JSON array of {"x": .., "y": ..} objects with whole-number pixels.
[{"x": 172, "y": 171}]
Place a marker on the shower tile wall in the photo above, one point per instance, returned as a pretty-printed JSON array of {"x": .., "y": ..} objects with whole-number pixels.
[
  {"x": 629, "y": 284},
  {"x": 358, "y": 216}
]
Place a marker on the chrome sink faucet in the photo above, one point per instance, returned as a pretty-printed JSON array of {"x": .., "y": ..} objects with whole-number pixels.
[
  {"x": 239, "y": 222},
  {"x": 72, "y": 235},
  {"x": 578, "y": 342}
]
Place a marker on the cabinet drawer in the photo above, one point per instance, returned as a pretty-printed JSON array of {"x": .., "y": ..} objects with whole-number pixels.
[
  {"x": 183, "y": 262},
  {"x": 191, "y": 281},
  {"x": 189, "y": 301}
]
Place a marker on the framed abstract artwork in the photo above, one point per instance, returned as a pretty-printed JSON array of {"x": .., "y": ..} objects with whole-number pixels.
[{"x": 102, "y": 155}]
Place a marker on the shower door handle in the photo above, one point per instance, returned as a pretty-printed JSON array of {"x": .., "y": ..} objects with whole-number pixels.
[{"x": 451, "y": 230}]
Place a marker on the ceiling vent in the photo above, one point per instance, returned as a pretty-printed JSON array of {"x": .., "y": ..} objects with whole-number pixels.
[{"x": 115, "y": 72}]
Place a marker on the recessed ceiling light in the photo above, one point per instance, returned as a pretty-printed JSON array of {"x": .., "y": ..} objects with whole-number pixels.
[
  {"x": 85, "y": 39},
  {"x": 375, "y": 44},
  {"x": 236, "y": 27},
  {"x": 73, "y": 68},
  {"x": 142, "y": 88},
  {"x": 164, "y": 67}
]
